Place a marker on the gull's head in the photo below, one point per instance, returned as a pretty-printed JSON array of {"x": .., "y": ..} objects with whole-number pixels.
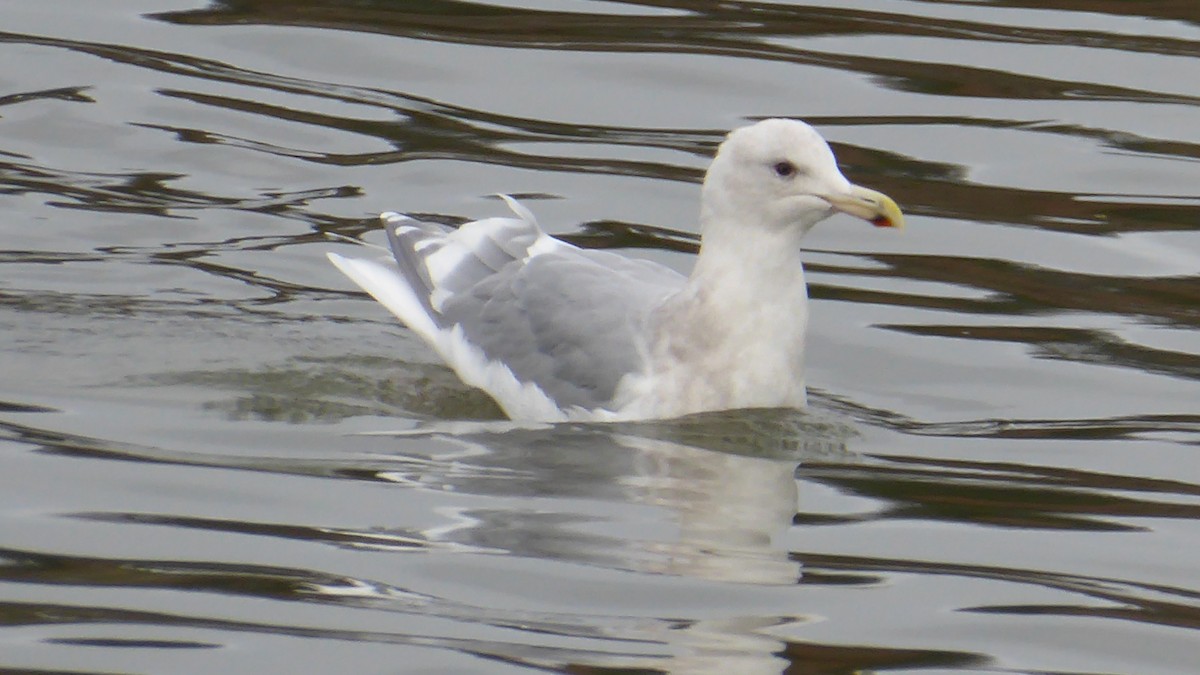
[{"x": 779, "y": 174}]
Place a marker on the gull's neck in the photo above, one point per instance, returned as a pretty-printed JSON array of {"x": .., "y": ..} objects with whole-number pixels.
[
  {"x": 731, "y": 259},
  {"x": 733, "y": 337},
  {"x": 750, "y": 287}
]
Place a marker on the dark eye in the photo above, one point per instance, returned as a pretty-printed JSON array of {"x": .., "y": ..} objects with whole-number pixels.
[{"x": 784, "y": 169}]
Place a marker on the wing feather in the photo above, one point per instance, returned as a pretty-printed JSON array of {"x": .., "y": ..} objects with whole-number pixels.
[{"x": 539, "y": 324}]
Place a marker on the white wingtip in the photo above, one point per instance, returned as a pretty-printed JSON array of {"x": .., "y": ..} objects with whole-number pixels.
[
  {"x": 388, "y": 287},
  {"x": 519, "y": 209}
]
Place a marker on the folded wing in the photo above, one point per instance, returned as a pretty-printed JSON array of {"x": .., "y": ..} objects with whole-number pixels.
[{"x": 548, "y": 329}]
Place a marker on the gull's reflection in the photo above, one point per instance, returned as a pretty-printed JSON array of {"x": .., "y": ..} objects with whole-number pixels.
[
  {"x": 712, "y": 490},
  {"x": 728, "y": 508},
  {"x": 700, "y": 498}
]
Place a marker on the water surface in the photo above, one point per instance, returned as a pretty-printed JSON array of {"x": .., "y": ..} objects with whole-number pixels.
[{"x": 998, "y": 473}]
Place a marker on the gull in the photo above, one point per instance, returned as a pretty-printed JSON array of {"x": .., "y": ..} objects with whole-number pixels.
[{"x": 554, "y": 332}]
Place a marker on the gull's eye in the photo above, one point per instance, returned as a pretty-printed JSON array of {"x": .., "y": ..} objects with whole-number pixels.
[{"x": 785, "y": 169}]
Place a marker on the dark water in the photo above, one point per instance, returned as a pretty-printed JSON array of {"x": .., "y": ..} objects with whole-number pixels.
[{"x": 1000, "y": 472}]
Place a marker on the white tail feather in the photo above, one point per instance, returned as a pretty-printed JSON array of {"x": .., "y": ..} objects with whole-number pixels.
[{"x": 388, "y": 287}]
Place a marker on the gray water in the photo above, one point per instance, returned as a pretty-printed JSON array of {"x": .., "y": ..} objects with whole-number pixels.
[{"x": 998, "y": 473}]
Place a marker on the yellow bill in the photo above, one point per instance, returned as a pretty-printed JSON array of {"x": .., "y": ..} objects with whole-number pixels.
[{"x": 874, "y": 207}]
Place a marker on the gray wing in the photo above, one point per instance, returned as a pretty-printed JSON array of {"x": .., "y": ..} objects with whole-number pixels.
[{"x": 569, "y": 320}]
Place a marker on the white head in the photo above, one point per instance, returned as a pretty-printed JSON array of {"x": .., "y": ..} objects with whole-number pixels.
[{"x": 779, "y": 174}]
